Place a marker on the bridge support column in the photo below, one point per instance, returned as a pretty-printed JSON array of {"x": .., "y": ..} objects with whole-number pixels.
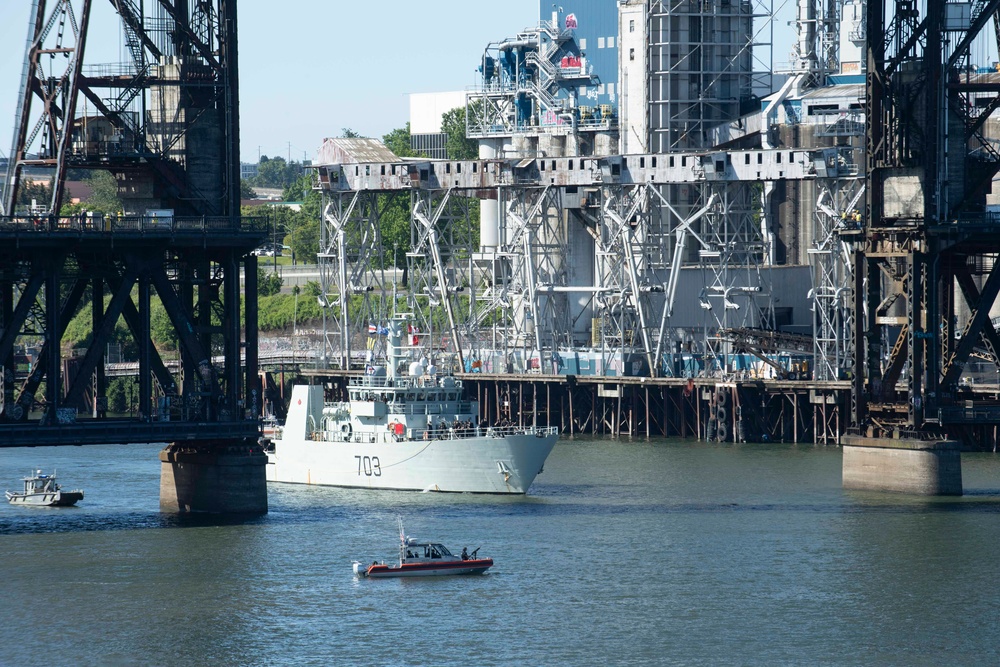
[
  {"x": 222, "y": 476},
  {"x": 929, "y": 468}
]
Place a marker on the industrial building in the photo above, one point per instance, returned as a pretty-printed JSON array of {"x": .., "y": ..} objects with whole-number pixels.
[
  {"x": 698, "y": 223},
  {"x": 559, "y": 89},
  {"x": 629, "y": 78}
]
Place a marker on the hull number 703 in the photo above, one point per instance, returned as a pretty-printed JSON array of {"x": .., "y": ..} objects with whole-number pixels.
[{"x": 369, "y": 465}]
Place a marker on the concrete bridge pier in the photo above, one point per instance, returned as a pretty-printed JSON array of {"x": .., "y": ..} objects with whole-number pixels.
[
  {"x": 922, "y": 467},
  {"x": 217, "y": 476}
]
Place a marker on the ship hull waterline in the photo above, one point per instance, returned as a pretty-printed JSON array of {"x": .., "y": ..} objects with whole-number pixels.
[
  {"x": 497, "y": 465},
  {"x": 457, "y": 568},
  {"x": 57, "y": 499}
]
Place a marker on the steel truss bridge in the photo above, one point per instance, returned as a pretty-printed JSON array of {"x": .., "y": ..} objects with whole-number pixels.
[{"x": 165, "y": 125}]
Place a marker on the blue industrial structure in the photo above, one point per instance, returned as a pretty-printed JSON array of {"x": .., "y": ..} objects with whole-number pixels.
[{"x": 595, "y": 27}]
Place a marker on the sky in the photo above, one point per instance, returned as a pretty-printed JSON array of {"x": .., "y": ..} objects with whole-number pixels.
[{"x": 310, "y": 68}]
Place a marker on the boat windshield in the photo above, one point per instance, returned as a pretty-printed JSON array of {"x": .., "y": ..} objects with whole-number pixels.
[
  {"x": 441, "y": 549},
  {"x": 426, "y": 550}
]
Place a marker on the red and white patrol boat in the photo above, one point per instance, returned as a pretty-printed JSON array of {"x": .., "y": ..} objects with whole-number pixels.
[{"x": 424, "y": 559}]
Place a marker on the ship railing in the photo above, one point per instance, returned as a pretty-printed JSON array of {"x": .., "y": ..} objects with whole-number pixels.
[
  {"x": 405, "y": 382},
  {"x": 442, "y": 433},
  {"x": 503, "y": 431}
]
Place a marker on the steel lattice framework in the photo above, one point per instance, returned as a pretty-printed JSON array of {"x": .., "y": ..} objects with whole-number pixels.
[
  {"x": 837, "y": 214},
  {"x": 925, "y": 227},
  {"x": 591, "y": 259},
  {"x": 165, "y": 124}
]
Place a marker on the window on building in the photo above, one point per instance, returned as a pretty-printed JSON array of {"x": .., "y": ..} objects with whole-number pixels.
[
  {"x": 611, "y": 42},
  {"x": 631, "y": 54},
  {"x": 823, "y": 110},
  {"x": 583, "y": 43},
  {"x": 631, "y": 26},
  {"x": 600, "y": 42}
]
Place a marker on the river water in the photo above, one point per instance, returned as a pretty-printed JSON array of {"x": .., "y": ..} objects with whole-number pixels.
[{"x": 624, "y": 553}]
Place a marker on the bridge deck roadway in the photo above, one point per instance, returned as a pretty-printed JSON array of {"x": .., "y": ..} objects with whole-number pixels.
[{"x": 124, "y": 431}]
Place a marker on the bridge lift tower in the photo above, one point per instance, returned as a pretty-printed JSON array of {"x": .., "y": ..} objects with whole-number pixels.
[
  {"x": 165, "y": 124},
  {"x": 928, "y": 242}
]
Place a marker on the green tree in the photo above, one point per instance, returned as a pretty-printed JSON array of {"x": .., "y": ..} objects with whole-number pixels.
[
  {"x": 304, "y": 239},
  {"x": 313, "y": 288},
  {"x": 104, "y": 193},
  {"x": 39, "y": 191},
  {"x": 395, "y": 227},
  {"x": 458, "y": 146},
  {"x": 348, "y": 133},
  {"x": 298, "y": 189},
  {"x": 246, "y": 190},
  {"x": 268, "y": 282},
  {"x": 398, "y": 141},
  {"x": 276, "y": 172},
  {"x": 303, "y": 228},
  {"x": 122, "y": 394}
]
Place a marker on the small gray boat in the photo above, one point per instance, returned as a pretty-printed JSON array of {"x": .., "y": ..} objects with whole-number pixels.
[{"x": 41, "y": 490}]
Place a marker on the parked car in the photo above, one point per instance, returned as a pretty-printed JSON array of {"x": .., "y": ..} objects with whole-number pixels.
[{"x": 268, "y": 250}]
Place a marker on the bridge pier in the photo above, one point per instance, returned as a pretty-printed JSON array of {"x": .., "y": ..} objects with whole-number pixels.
[
  {"x": 218, "y": 476},
  {"x": 922, "y": 467}
]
